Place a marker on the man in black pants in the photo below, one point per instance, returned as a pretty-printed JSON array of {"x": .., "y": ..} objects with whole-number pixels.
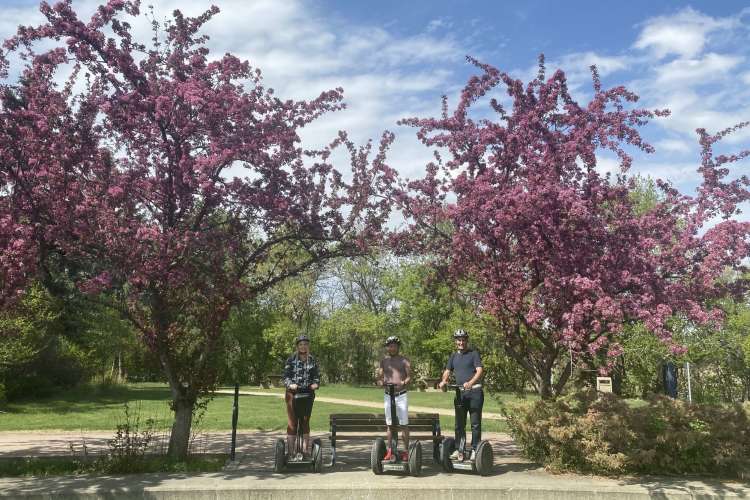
[{"x": 466, "y": 364}]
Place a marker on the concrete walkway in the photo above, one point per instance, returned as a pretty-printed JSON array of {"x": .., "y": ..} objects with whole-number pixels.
[
  {"x": 510, "y": 482},
  {"x": 366, "y": 404},
  {"x": 252, "y": 477}
]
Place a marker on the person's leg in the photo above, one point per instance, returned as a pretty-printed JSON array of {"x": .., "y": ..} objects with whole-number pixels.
[
  {"x": 291, "y": 423},
  {"x": 405, "y": 436},
  {"x": 460, "y": 434},
  {"x": 402, "y": 410},
  {"x": 306, "y": 435},
  {"x": 306, "y": 426},
  {"x": 475, "y": 409},
  {"x": 388, "y": 428}
]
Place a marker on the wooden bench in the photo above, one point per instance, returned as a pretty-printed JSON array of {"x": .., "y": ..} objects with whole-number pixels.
[
  {"x": 428, "y": 383},
  {"x": 271, "y": 381},
  {"x": 352, "y": 426}
]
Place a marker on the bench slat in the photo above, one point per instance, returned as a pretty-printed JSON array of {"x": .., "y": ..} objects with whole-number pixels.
[
  {"x": 379, "y": 428},
  {"x": 336, "y": 416},
  {"x": 377, "y": 421},
  {"x": 352, "y": 437}
]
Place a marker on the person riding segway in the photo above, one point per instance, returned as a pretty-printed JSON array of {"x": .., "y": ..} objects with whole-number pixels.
[
  {"x": 466, "y": 365},
  {"x": 395, "y": 374},
  {"x": 302, "y": 379}
]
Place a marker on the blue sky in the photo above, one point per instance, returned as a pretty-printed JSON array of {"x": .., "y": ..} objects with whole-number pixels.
[{"x": 396, "y": 58}]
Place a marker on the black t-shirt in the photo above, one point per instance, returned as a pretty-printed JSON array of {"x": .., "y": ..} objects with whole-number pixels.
[{"x": 464, "y": 365}]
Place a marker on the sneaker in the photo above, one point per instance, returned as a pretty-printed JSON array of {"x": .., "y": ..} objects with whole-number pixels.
[
  {"x": 388, "y": 455},
  {"x": 454, "y": 455},
  {"x": 404, "y": 456},
  {"x": 473, "y": 455}
]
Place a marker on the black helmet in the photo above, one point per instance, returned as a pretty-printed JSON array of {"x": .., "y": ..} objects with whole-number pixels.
[
  {"x": 301, "y": 338},
  {"x": 392, "y": 340},
  {"x": 460, "y": 334}
]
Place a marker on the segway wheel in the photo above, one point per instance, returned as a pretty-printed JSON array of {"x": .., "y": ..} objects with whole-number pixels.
[
  {"x": 317, "y": 456},
  {"x": 415, "y": 458},
  {"x": 376, "y": 455},
  {"x": 279, "y": 459},
  {"x": 447, "y": 447},
  {"x": 484, "y": 458}
]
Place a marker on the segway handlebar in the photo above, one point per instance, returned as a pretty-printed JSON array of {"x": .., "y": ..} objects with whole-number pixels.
[
  {"x": 460, "y": 388},
  {"x": 303, "y": 390}
]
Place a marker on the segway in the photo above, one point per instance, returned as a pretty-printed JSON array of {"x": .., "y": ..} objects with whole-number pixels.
[
  {"x": 302, "y": 405},
  {"x": 483, "y": 460},
  {"x": 413, "y": 465}
]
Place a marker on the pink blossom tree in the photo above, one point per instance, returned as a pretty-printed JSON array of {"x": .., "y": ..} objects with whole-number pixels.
[
  {"x": 559, "y": 253},
  {"x": 119, "y": 181}
]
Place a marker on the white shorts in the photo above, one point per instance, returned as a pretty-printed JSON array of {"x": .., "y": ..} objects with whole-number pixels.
[{"x": 402, "y": 409}]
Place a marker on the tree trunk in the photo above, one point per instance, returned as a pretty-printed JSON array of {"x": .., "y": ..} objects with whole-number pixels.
[
  {"x": 183, "y": 420},
  {"x": 562, "y": 380},
  {"x": 544, "y": 377},
  {"x": 540, "y": 368}
]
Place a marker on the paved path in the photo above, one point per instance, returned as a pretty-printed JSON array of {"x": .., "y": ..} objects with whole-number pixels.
[
  {"x": 67, "y": 443},
  {"x": 365, "y": 404}
]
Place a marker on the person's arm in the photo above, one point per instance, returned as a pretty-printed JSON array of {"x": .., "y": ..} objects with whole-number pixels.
[
  {"x": 478, "y": 371},
  {"x": 288, "y": 382},
  {"x": 446, "y": 372},
  {"x": 379, "y": 374},
  {"x": 407, "y": 369},
  {"x": 315, "y": 375}
]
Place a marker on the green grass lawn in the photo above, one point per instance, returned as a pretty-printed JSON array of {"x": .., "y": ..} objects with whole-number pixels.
[
  {"x": 102, "y": 408},
  {"x": 434, "y": 399}
]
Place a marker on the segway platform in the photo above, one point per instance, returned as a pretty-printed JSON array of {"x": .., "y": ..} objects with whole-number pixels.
[
  {"x": 283, "y": 458},
  {"x": 412, "y": 466},
  {"x": 483, "y": 460}
]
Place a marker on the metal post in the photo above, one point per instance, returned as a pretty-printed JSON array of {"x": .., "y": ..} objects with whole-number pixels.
[
  {"x": 235, "y": 413},
  {"x": 687, "y": 372}
]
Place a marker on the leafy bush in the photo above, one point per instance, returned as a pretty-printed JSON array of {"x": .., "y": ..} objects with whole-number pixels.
[
  {"x": 602, "y": 434},
  {"x": 127, "y": 449}
]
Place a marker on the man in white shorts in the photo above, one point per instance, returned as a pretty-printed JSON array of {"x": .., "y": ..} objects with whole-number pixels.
[{"x": 396, "y": 369}]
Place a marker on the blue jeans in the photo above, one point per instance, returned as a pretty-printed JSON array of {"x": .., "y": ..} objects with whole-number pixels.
[{"x": 471, "y": 402}]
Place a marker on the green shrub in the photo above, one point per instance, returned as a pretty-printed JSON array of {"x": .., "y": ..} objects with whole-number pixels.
[{"x": 602, "y": 434}]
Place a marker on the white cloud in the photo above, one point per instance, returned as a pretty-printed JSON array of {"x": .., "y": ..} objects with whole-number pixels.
[
  {"x": 704, "y": 85},
  {"x": 581, "y": 62},
  {"x": 678, "y": 173},
  {"x": 440, "y": 23},
  {"x": 698, "y": 71},
  {"x": 684, "y": 34},
  {"x": 675, "y": 146},
  {"x": 604, "y": 164}
]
